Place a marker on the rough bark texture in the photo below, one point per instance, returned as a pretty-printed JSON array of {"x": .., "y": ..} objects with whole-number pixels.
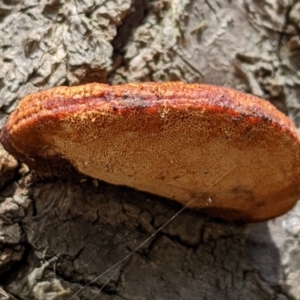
[{"x": 58, "y": 236}]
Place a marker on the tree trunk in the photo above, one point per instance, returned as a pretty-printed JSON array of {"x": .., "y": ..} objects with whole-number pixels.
[{"x": 85, "y": 239}]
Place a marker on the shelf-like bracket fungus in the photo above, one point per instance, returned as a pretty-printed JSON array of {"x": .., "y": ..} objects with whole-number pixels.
[{"x": 169, "y": 139}]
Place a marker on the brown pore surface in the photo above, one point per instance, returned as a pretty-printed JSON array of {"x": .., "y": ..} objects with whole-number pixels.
[{"x": 235, "y": 154}]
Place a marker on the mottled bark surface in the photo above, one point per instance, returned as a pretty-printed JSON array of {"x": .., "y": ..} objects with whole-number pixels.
[{"x": 58, "y": 236}]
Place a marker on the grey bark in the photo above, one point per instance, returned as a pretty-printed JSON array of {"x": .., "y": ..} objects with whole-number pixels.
[{"x": 84, "y": 239}]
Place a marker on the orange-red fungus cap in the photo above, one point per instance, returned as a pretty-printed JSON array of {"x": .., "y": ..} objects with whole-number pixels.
[{"x": 235, "y": 154}]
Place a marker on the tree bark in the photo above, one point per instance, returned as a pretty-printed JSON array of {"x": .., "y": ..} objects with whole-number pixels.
[{"x": 81, "y": 238}]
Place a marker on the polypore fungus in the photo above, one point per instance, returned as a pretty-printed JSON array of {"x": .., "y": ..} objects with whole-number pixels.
[{"x": 234, "y": 154}]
